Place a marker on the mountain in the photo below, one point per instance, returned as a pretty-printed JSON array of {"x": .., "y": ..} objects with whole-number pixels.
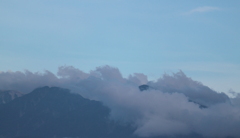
[
  {"x": 52, "y": 112},
  {"x": 8, "y": 95},
  {"x": 201, "y": 106},
  {"x": 145, "y": 87}
]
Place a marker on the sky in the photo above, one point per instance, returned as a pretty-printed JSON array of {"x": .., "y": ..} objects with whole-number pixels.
[{"x": 200, "y": 38}]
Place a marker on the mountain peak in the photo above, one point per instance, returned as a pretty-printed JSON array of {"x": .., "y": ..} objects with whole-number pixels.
[{"x": 143, "y": 87}]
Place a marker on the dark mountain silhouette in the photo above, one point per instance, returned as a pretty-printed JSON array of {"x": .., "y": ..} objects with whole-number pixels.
[
  {"x": 199, "y": 105},
  {"x": 143, "y": 87},
  {"x": 49, "y": 112},
  {"x": 53, "y": 112}
]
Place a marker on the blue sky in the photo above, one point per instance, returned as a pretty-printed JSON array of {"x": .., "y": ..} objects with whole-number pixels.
[{"x": 201, "y": 38}]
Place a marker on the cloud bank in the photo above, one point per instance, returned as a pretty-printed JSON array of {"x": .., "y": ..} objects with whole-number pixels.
[{"x": 169, "y": 108}]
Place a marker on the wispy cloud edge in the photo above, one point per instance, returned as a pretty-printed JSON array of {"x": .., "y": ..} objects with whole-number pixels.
[{"x": 203, "y": 9}]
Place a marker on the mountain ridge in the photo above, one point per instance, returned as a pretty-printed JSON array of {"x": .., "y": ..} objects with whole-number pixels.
[{"x": 55, "y": 112}]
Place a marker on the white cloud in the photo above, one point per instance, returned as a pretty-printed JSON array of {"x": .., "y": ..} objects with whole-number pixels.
[{"x": 202, "y": 9}]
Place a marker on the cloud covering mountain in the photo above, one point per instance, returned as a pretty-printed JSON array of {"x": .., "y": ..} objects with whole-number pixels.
[{"x": 162, "y": 110}]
